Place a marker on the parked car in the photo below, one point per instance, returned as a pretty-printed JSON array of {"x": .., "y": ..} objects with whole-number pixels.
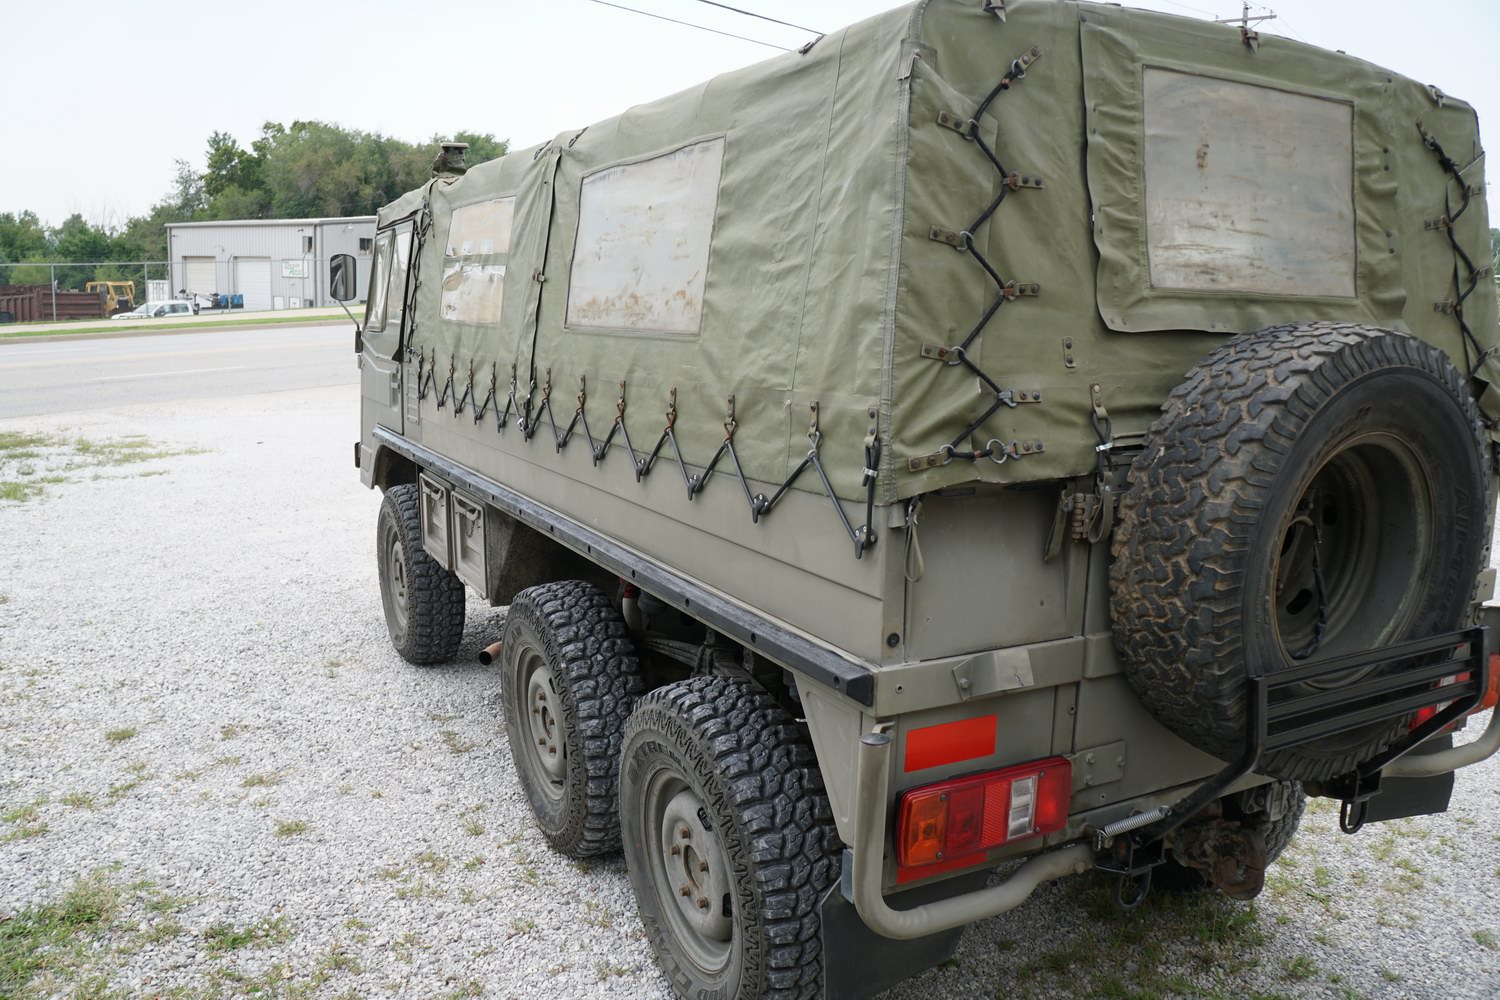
[{"x": 152, "y": 310}]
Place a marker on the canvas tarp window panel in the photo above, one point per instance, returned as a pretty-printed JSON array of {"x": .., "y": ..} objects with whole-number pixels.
[
  {"x": 473, "y": 265},
  {"x": 1248, "y": 189},
  {"x": 641, "y": 257},
  {"x": 1233, "y": 189}
]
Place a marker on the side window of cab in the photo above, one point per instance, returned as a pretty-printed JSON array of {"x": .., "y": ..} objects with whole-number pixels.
[{"x": 385, "y": 308}]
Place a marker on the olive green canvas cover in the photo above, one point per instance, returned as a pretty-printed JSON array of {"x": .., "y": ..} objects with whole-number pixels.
[{"x": 816, "y": 205}]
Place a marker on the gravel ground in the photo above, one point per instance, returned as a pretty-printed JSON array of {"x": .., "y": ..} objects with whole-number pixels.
[{"x": 204, "y": 730}]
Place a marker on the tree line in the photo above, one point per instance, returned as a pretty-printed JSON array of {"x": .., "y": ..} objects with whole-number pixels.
[{"x": 306, "y": 169}]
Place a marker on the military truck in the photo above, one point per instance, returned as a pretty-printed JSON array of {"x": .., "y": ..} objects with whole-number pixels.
[{"x": 997, "y": 432}]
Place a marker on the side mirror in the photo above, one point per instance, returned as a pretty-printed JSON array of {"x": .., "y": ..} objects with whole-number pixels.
[{"x": 341, "y": 278}]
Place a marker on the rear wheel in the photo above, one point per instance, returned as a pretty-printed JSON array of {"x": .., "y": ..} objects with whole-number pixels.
[
  {"x": 729, "y": 838},
  {"x": 424, "y": 603}
]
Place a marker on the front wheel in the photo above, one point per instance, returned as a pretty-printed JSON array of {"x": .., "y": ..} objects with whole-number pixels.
[
  {"x": 424, "y": 603},
  {"x": 729, "y": 839}
]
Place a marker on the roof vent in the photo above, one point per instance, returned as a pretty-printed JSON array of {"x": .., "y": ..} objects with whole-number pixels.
[{"x": 450, "y": 162}]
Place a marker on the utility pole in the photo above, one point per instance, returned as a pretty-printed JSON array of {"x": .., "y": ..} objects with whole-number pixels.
[{"x": 1250, "y": 38}]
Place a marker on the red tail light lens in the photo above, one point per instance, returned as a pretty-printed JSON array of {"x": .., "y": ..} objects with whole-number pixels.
[
  {"x": 1492, "y": 693},
  {"x": 969, "y": 815},
  {"x": 1488, "y": 700}
]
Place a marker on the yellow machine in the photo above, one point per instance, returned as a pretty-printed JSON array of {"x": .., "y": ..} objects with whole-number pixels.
[{"x": 119, "y": 296}]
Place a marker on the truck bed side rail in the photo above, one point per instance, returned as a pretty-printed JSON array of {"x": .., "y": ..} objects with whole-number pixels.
[{"x": 845, "y": 674}]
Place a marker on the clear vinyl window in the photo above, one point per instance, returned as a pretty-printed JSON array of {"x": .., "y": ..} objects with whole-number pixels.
[
  {"x": 1248, "y": 188},
  {"x": 386, "y": 305},
  {"x": 473, "y": 264},
  {"x": 641, "y": 258}
]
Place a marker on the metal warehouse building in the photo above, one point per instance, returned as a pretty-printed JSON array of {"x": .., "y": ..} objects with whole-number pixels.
[{"x": 272, "y": 263}]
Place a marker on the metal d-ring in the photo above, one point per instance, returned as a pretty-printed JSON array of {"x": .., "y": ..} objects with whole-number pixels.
[{"x": 1003, "y": 451}]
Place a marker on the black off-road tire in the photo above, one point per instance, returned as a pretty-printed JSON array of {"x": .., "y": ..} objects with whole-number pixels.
[
  {"x": 1218, "y": 490},
  {"x": 726, "y": 744},
  {"x": 570, "y": 675},
  {"x": 1278, "y": 833},
  {"x": 424, "y": 609}
]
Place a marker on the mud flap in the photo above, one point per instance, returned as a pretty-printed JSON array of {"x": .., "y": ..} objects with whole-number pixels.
[
  {"x": 857, "y": 962},
  {"x": 1403, "y": 797}
]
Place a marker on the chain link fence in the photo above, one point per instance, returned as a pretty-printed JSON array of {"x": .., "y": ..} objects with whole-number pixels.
[{"x": 37, "y": 292}]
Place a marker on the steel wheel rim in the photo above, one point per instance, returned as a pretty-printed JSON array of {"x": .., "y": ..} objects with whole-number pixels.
[
  {"x": 689, "y": 870},
  {"x": 395, "y": 563},
  {"x": 1372, "y": 506},
  {"x": 541, "y": 721}
]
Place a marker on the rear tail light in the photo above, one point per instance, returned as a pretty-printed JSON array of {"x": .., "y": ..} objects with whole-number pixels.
[
  {"x": 964, "y": 816},
  {"x": 1492, "y": 692},
  {"x": 1488, "y": 700}
]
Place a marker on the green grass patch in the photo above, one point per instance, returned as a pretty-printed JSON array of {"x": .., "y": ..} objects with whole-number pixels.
[
  {"x": 121, "y": 734},
  {"x": 31, "y": 462},
  {"x": 291, "y": 827},
  {"x": 19, "y": 491},
  {"x": 51, "y": 937},
  {"x": 224, "y": 937},
  {"x": 261, "y": 781}
]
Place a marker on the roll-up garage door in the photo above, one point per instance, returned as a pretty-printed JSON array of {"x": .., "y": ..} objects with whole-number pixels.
[
  {"x": 252, "y": 279},
  {"x": 199, "y": 275}
]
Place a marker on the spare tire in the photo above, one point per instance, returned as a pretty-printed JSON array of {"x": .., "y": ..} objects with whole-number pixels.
[{"x": 1310, "y": 490}]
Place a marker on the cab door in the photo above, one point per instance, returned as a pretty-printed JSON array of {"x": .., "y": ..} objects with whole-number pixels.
[{"x": 386, "y": 309}]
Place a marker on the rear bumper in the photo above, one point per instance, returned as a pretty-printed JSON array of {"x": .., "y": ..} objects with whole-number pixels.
[{"x": 1428, "y": 764}]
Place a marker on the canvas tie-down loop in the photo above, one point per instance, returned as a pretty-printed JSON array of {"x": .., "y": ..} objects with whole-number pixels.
[
  {"x": 1005, "y": 289},
  {"x": 1466, "y": 274},
  {"x": 863, "y": 537}
]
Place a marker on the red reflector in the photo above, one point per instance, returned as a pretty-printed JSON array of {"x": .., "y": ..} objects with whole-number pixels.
[
  {"x": 949, "y": 743},
  {"x": 966, "y": 816},
  {"x": 1492, "y": 693}
]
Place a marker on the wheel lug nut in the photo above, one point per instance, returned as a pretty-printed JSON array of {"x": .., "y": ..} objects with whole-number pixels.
[
  {"x": 703, "y": 902},
  {"x": 684, "y": 892},
  {"x": 703, "y": 866},
  {"x": 541, "y": 742},
  {"x": 685, "y": 833},
  {"x": 674, "y": 850}
]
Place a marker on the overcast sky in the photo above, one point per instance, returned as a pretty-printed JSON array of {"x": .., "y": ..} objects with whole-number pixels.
[{"x": 99, "y": 99}]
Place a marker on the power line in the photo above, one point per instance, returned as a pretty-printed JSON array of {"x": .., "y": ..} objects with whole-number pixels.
[
  {"x": 1195, "y": 10},
  {"x": 751, "y": 13},
  {"x": 689, "y": 24}
]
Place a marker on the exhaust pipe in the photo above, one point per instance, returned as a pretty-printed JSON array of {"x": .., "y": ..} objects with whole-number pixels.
[{"x": 490, "y": 653}]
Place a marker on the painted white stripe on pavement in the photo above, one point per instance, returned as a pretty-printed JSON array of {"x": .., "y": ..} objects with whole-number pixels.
[{"x": 189, "y": 371}]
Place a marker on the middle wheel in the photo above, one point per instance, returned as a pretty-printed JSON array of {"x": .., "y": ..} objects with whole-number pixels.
[{"x": 569, "y": 678}]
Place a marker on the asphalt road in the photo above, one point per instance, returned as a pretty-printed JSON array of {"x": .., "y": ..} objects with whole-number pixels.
[{"x": 70, "y": 376}]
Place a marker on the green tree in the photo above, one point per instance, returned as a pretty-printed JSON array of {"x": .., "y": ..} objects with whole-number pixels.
[
  {"x": 29, "y": 274},
  {"x": 21, "y": 236},
  {"x": 230, "y": 166}
]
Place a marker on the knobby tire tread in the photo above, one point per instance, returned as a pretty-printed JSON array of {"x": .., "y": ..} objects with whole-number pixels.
[
  {"x": 1196, "y": 491},
  {"x": 591, "y": 652},
  {"x": 774, "y": 790},
  {"x": 435, "y": 596}
]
